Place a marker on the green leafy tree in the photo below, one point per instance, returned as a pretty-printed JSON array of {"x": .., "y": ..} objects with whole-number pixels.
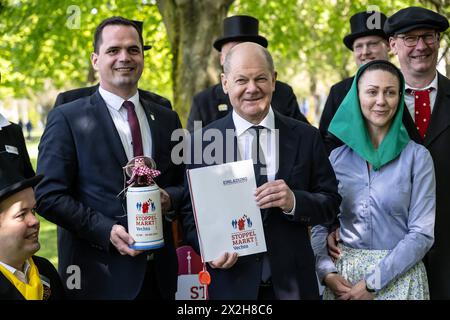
[
  {"x": 47, "y": 44},
  {"x": 51, "y": 41},
  {"x": 191, "y": 28}
]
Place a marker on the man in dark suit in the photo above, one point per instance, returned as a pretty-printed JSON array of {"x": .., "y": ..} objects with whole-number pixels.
[
  {"x": 415, "y": 34},
  {"x": 368, "y": 42},
  {"x": 296, "y": 189},
  {"x": 83, "y": 150},
  {"x": 71, "y": 95},
  {"x": 13, "y": 147},
  {"x": 22, "y": 274},
  {"x": 212, "y": 103}
]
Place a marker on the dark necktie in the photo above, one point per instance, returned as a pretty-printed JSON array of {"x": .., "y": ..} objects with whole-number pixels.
[
  {"x": 134, "y": 128},
  {"x": 259, "y": 161},
  {"x": 422, "y": 110}
]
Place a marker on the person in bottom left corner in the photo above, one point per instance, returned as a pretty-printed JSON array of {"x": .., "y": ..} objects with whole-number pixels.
[{"x": 23, "y": 276}]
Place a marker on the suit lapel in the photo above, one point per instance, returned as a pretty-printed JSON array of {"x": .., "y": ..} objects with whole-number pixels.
[
  {"x": 228, "y": 131},
  {"x": 155, "y": 127},
  {"x": 286, "y": 145},
  {"x": 440, "y": 117},
  {"x": 100, "y": 112}
]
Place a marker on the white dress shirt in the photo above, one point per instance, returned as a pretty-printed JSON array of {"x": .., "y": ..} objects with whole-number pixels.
[
  {"x": 21, "y": 275},
  {"x": 409, "y": 97},
  {"x": 3, "y": 122},
  {"x": 120, "y": 118},
  {"x": 267, "y": 141}
]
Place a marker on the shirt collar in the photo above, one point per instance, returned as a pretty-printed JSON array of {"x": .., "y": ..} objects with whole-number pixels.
[
  {"x": 243, "y": 125},
  {"x": 3, "y": 121},
  {"x": 433, "y": 84},
  {"x": 13, "y": 270},
  {"x": 114, "y": 101}
]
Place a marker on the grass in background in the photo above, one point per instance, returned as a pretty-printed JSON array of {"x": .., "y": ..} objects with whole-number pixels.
[
  {"x": 47, "y": 239},
  {"x": 47, "y": 234}
]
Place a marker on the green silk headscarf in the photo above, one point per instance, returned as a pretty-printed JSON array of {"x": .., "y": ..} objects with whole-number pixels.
[{"x": 349, "y": 125}]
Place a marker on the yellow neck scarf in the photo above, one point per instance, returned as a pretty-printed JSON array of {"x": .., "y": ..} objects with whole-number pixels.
[{"x": 34, "y": 290}]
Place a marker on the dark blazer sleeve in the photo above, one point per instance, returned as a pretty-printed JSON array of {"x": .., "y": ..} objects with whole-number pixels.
[
  {"x": 176, "y": 189},
  {"x": 328, "y": 112},
  {"x": 187, "y": 213},
  {"x": 55, "y": 193},
  {"x": 320, "y": 204},
  {"x": 331, "y": 105},
  {"x": 188, "y": 220},
  {"x": 194, "y": 113},
  {"x": 334, "y": 100}
]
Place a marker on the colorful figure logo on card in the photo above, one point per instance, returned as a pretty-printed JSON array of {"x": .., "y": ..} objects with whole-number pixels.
[
  {"x": 241, "y": 223},
  {"x": 143, "y": 207}
]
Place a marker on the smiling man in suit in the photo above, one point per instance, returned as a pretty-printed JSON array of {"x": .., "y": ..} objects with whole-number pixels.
[
  {"x": 74, "y": 94},
  {"x": 414, "y": 35},
  {"x": 85, "y": 145},
  {"x": 297, "y": 187},
  {"x": 212, "y": 103}
]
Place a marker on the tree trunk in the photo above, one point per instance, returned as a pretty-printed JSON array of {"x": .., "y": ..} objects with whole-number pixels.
[{"x": 192, "y": 26}]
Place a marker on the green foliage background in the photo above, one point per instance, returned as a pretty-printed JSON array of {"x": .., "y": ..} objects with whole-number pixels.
[{"x": 39, "y": 51}]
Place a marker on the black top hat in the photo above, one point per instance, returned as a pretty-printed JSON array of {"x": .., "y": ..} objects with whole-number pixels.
[
  {"x": 240, "y": 28},
  {"x": 11, "y": 181},
  {"x": 413, "y": 18},
  {"x": 365, "y": 24},
  {"x": 140, "y": 26}
]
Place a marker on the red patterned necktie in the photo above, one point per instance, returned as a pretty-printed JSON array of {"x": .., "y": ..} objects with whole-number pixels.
[
  {"x": 422, "y": 110},
  {"x": 135, "y": 129}
]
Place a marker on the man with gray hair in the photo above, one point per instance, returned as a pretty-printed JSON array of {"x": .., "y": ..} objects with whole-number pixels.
[
  {"x": 296, "y": 187},
  {"x": 212, "y": 103}
]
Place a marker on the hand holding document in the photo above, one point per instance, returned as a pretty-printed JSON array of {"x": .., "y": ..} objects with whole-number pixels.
[{"x": 225, "y": 210}]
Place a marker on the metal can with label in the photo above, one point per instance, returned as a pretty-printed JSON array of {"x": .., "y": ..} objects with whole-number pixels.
[{"x": 145, "y": 223}]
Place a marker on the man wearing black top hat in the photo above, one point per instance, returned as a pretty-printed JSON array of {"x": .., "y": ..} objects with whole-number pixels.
[
  {"x": 212, "y": 104},
  {"x": 414, "y": 36},
  {"x": 368, "y": 42},
  {"x": 71, "y": 95},
  {"x": 23, "y": 276},
  {"x": 13, "y": 148}
]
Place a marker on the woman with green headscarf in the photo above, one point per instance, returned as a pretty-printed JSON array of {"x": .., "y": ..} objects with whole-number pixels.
[{"x": 387, "y": 185}]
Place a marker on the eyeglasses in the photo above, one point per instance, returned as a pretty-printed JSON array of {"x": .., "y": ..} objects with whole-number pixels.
[
  {"x": 371, "y": 45},
  {"x": 412, "y": 41}
]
